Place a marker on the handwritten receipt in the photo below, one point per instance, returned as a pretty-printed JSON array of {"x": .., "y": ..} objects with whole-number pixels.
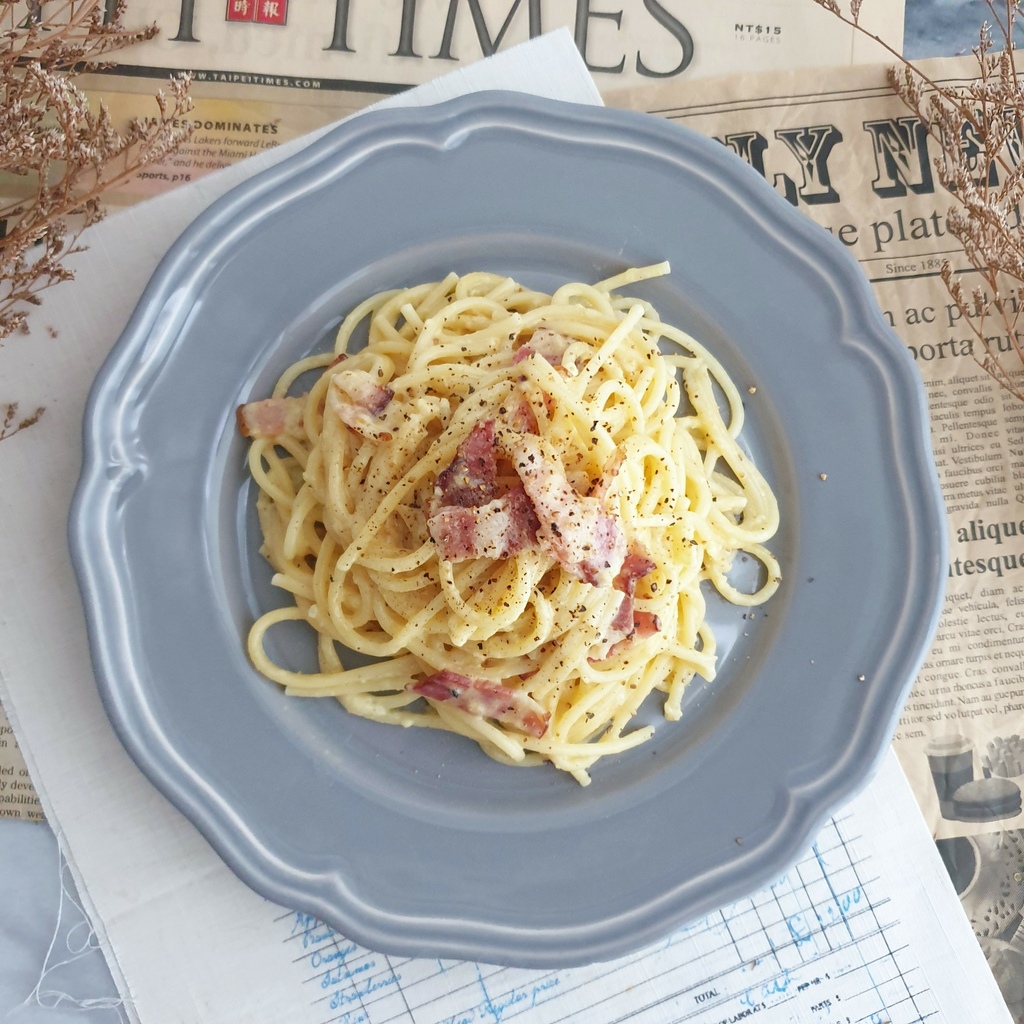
[{"x": 839, "y": 939}]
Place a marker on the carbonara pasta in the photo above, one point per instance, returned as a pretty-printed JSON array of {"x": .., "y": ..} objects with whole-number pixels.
[{"x": 511, "y": 501}]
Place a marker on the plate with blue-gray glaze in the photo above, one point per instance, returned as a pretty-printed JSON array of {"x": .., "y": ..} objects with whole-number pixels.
[{"x": 411, "y": 841}]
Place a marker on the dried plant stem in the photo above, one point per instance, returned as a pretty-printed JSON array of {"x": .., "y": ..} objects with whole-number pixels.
[
  {"x": 59, "y": 151},
  {"x": 979, "y": 129},
  {"x": 10, "y": 425}
]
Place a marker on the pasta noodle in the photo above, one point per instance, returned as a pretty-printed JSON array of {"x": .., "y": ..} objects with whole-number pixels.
[{"x": 510, "y": 500}]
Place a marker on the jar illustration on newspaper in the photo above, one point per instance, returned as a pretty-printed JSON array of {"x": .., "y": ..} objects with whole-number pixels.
[{"x": 951, "y": 761}]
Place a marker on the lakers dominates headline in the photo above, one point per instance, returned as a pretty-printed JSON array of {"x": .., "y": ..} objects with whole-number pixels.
[{"x": 511, "y": 499}]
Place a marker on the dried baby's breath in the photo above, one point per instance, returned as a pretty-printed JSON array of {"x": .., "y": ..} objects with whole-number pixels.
[
  {"x": 979, "y": 128},
  {"x": 59, "y": 151},
  {"x": 12, "y": 423}
]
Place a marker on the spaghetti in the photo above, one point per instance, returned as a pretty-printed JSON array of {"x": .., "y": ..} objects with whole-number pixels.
[{"x": 510, "y": 500}]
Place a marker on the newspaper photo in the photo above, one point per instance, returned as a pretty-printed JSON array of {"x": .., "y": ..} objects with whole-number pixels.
[{"x": 841, "y": 146}]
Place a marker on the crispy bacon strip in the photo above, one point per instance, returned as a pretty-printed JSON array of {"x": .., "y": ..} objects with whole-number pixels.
[
  {"x": 484, "y": 699},
  {"x": 579, "y": 531},
  {"x": 272, "y": 418}
]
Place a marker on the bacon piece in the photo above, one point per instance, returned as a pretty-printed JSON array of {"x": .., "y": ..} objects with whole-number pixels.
[
  {"x": 578, "y": 531},
  {"x": 471, "y": 480},
  {"x": 467, "y": 518},
  {"x": 615, "y": 636},
  {"x": 642, "y": 625},
  {"x": 603, "y": 547},
  {"x": 521, "y": 418},
  {"x": 500, "y": 529},
  {"x": 646, "y": 624},
  {"x": 272, "y": 417},
  {"x": 628, "y": 622},
  {"x": 484, "y": 699},
  {"x": 358, "y": 400},
  {"x": 622, "y": 625},
  {"x": 546, "y": 343},
  {"x": 635, "y": 566},
  {"x": 362, "y": 389}
]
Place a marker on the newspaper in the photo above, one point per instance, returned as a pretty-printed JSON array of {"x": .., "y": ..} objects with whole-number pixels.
[
  {"x": 17, "y": 795},
  {"x": 355, "y": 46},
  {"x": 841, "y": 147},
  {"x": 266, "y": 71}
]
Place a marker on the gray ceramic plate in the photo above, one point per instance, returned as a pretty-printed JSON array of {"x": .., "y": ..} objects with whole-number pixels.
[{"x": 410, "y": 841}]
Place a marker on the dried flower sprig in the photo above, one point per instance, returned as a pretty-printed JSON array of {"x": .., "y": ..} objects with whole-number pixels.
[
  {"x": 11, "y": 424},
  {"x": 59, "y": 152},
  {"x": 979, "y": 128},
  {"x": 66, "y": 153}
]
